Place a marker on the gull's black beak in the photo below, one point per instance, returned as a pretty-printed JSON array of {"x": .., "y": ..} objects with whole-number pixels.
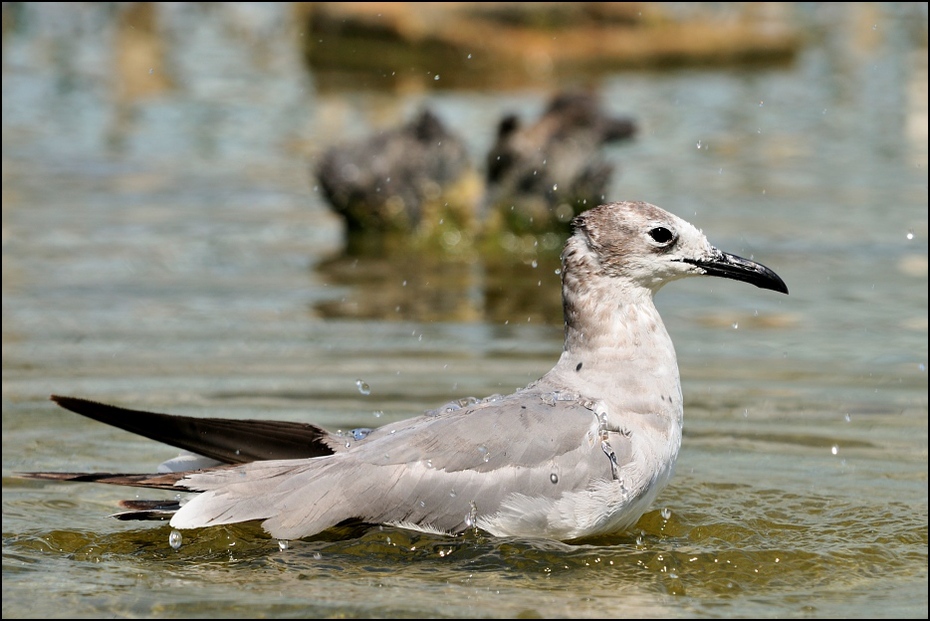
[{"x": 731, "y": 266}]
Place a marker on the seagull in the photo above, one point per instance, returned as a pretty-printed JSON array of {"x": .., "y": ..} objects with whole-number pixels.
[{"x": 581, "y": 452}]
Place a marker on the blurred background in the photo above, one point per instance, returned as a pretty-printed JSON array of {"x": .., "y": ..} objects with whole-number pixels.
[{"x": 231, "y": 210}]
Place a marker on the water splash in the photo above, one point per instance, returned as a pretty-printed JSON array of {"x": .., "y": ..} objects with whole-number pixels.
[
  {"x": 471, "y": 518},
  {"x": 360, "y": 433},
  {"x": 363, "y": 387}
]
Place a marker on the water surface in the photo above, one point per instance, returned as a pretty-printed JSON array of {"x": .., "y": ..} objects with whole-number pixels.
[{"x": 167, "y": 250}]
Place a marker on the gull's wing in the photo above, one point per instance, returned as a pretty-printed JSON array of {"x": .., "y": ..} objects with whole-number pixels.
[{"x": 521, "y": 454}]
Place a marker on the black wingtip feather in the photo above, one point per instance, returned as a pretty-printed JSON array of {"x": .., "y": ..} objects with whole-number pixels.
[{"x": 230, "y": 441}]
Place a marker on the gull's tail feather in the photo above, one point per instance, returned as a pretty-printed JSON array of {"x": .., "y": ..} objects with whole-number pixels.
[
  {"x": 136, "y": 509},
  {"x": 152, "y": 481},
  {"x": 147, "y": 509},
  {"x": 226, "y": 440}
]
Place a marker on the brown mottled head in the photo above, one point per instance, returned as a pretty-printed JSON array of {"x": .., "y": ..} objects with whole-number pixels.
[{"x": 646, "y": 246}]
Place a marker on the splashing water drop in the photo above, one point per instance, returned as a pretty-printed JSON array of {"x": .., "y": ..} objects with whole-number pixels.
[
  {"x": 665, "y": 513},
  {"x": 471, "y": 518},
  {"x": 363, "y": 387},
  {"x": 174, "y": 539},
  {"x": 282, "y": 545}
]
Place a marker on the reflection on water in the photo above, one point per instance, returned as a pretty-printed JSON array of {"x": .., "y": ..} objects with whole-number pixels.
[
  {"x": 164, "y": 248},
  {"x": 510, "y": 285}
]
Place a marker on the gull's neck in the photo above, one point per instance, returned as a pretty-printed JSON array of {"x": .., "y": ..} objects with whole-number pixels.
[{"x": 616, "y": 346}]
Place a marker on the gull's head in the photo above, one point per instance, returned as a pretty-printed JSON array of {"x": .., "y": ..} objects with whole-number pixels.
[{"x": 646, "y": 246}]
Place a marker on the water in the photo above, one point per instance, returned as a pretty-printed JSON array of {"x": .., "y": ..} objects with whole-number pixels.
[{"x": 166, "y": 249}]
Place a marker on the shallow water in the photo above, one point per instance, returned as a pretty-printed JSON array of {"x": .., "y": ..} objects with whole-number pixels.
[{"x": 168, "y": 251}]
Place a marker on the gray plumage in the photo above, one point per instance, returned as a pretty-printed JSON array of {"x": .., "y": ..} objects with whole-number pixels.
[{"x": 581, "y": 452}]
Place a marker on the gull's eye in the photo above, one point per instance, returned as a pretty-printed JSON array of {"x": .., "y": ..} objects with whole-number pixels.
[{"x": 662, "y": 236}]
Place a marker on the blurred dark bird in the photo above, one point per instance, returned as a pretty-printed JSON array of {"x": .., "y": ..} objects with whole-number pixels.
[
  {"x": 405, "y": 179},
  {"x": 541, "y": 175}
]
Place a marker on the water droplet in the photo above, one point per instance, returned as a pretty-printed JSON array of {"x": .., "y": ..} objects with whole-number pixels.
[
  {"x": 361, "y": 433},
  {"x": 471, "y": 518},
  {"x": 452, "y": 493},
  {"x": 174, "y": 539},
  {"x": 698, "y": 144},
  {"x": 846, "y": 417},
  {"x": 378, "y": 413},
  {"x": 834, "y": 449},
  {"x": 282, "y": 545},
  {"x": 363, "y": 387},
  {"x": 151, "y": 71},
  {"x": 469, "y": 56},
  {"x": 483, "y": 450},
  {"x": 535, "y": 263},
  {"x": 436, "y": 77},
  {"x": 735, "y": 325},
  {"x": 910, "y": 235},
  {"x": 554, "y": 477},
  {"x": 558, "y": 272},
  {"x": 761, "y": 103},
  {"x": 555, "y": 186},
  {"x": 665, "y": 513},
  {"x": 317, "y": 556}
]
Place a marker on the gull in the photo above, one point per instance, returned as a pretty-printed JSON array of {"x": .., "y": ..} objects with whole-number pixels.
[{"x": 581, "y": 452}]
